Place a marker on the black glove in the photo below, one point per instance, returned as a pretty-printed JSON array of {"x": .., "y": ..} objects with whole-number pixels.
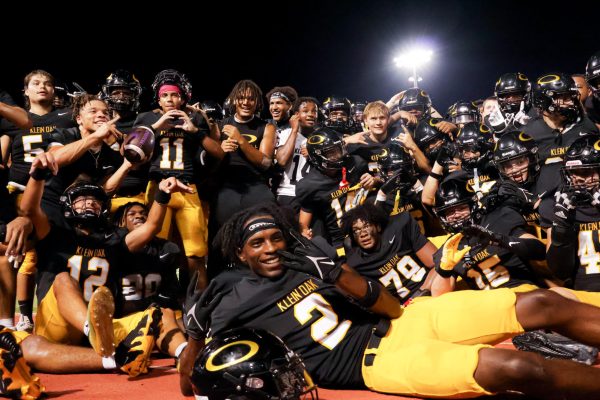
[
  {"x": 446, "y": 155},
  {"x": 315, "y": 257},
  {"x": 483, "y": 233},
  {"x": 391, "y": 183},
  {"x": 169, "y": 253}
]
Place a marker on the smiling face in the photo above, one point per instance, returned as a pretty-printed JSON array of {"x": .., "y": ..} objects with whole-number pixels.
[
  {"x": 259, "y": 252},
  {"x": 245, "y": 105},
  {"x": 92, "y": 116},
  {"x": 307, "y": 112},
  {"x": 279, "y": 108},
  {"x": 135, "y": 217}
]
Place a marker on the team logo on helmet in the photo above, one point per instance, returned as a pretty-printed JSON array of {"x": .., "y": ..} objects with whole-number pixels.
[
  {"x": 316, "y": 139},
  {"x": 548, "y": 79},
  {"x": 252, "y": 348}
]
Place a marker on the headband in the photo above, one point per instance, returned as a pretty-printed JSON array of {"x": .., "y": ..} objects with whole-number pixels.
[
  {"x": 279, "y": 95},
  {"x": 259, "y": 224}
]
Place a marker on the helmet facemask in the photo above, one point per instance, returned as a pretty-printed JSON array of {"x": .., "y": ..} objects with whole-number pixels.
[
  {"x": 523, "y": 168},
  {"x": 449, "y": 215},
  {"x": 583, "y": 180}
]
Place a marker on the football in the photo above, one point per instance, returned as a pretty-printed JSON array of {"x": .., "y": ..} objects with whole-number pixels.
[{"x": 139, "y": 145}]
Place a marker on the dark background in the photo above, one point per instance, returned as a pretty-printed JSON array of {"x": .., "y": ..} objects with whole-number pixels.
[{"x": 320, "y": 48}]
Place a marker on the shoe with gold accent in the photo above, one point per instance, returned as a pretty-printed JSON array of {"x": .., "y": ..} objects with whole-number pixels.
[
  {"x": 16, "y": 379},
  {"x": 101, "y": 309},
  {"x": 133, "y": 353}
]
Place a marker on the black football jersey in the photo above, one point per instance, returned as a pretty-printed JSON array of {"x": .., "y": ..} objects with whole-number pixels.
[
  {"x": 92, "y": 260},
  {"x": 371, "y": 152},
  {"x": 587, "y": 224},
  {"x": 493, "y": 267},
  {"x": 395, "y": 263},
  {"x": 235, "y": 166},
  {"x": 28, "y": 143},
  {"x": 175, "y": 150},
  {"x": 95, "y": 166},
  {"x": 322, "y": 196},
  {"x": 150, "y": 276},
  {"x": 313, "y": 318},
  {"x": 592, "y": 109}
]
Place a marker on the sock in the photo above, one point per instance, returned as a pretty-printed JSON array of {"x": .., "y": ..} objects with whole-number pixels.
[
  {"x": 86, "y": 328},
  {"x": 109, "y": 362},
  {"x": 179, "y": 349},
  {"x": 26, "y": 308},
  {"x": 8, "y": 323}
]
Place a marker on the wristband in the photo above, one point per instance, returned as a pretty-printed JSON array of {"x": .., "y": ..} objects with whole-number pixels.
[
  {"x": 370, "y": 298},
  {"x": 41, "y": 174},
  {"x": 162, "y": 197},
  {"x": 437, "y": 177}
]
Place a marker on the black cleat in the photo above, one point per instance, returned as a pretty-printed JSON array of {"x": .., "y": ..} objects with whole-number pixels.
[{"x": 553, "y": 345}]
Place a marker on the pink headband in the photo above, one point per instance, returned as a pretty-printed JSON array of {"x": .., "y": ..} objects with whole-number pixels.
[{"x": 168, "y": 88}]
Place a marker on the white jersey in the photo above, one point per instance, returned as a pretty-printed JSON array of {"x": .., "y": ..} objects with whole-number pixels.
[{"x": 297, "y": 167}]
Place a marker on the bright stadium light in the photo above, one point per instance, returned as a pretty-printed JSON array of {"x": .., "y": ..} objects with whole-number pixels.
[{"x": 412, "y": 59}]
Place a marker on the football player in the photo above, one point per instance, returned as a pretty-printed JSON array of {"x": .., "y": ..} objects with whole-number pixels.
[
  {"x": 391, "y": 251},
  {"x": 297, "y": 286},
  {"x": 87, "y": 254},
  {"x": 25, "y": 145},
  {"x": 179, "y": 138},
  {"x": 592, "y": 76},
  {"x": 291, "y": 153},
  {"x": 336, "y": 183},
  {"x": 513, "y": 94}
]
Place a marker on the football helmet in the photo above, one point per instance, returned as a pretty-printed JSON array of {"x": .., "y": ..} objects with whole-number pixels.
[
  {"x": 415, "y": 99},
  {"x": 427, "y": 135},
  {"x": 342, "y": 124},
  {"x": 398, "y": 169},
  {"x": 513, "y": 146},
  {"x": 247, "y": 363},
  {"x": 551, "y": 90},
  {"x": 581, "y": 166},
  {"x": 212, "y": 109},
  {"x": 122, "y": 79},
  {"x": 451, "y": 194},
  {"x": 592, "y": 74},
  {"x": 463, "y": 112},
  {"x": 173, "y": 77},
  {"x": 326, "y": 150},
  {"x": 86, "y": 218},
  {"x": 511, "y": 90},
  {"x": 357, "y": 110},
  {"x": 475, "y": 138}
]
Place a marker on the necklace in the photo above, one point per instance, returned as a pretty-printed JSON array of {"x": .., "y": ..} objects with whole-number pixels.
[{"x": 95, "y": 156}]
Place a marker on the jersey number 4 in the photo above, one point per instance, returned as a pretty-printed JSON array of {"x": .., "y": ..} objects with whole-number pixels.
[{"x": 92, "y": 282}]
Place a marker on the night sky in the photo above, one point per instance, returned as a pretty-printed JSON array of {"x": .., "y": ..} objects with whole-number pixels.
[{"x": 320, "y": 48}]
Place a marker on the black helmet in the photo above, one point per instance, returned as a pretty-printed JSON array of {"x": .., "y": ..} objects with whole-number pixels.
[
  {"x": 415, "y": 99},
  {"x": 398, "y": 165},
  {"x": 475, "y": 137},
  {"x": 250, "y": 364},
  {"x": 582, "y": 159},
  {"x": 122, "y": 79},
  {"x": 173, "y": 77},
  {"x": 452, "y": 193},
  {"x": 548, "y": 87},
  {"x": 86, "y": 218},
  {"x": 514, "y": 145},
  {"x": 592, "y": 74},
  {"x": 463, "y": 112},
  {"x": 427, "y": 133},
  {"x": 326, "y": 150},
  {"x": 336, "y": 103},
  {"x": 512, "y": 84},
  {"x": 212, "y": 109},
  {"x": 357, "y": 110}
]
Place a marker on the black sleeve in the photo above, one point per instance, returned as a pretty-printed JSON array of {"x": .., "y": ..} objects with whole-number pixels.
[
  {"x": 413, "y": 232},
  {"x": 562, "y": 253},
  {"x": 546, "y": 211}
]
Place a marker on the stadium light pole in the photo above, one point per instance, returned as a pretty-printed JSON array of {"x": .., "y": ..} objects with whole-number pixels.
[{"x": 412, "y": 59}]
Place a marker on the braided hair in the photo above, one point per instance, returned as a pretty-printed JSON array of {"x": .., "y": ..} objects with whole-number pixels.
[{"x": 229, "y": 236}]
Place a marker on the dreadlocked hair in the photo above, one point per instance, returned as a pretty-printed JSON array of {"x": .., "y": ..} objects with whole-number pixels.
[
  {"x": 119, "y": 217},
  {"x": 241, "y": 89},
  {"x": 366, "y": 212},
  {"x": 229, "y": 236}
]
